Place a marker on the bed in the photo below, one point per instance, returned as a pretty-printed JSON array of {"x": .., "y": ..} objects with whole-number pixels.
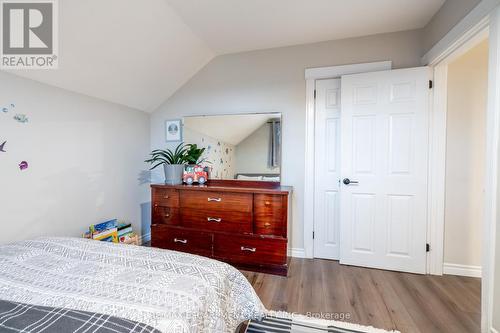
[
  {"x": 167, "y": 290},
  {"x": 267, "y": 177}
]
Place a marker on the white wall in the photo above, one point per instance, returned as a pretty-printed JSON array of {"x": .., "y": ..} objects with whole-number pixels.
[
  {"x": 496, "y": 283},
  {"x": 444, "y": 20},
  {"x": 273, "y": 81},
  {"x": 465, "y": 156},
  {"x": 252, "y": 154},
  {"x": 85, "y": 159}
]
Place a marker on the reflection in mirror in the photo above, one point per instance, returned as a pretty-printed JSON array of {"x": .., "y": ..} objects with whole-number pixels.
[{"x": 243, "y": 147}]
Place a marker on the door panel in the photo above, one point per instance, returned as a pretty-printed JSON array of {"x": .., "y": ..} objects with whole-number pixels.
[
  {"x": 384, "y": 148},
  {"x": 401, "y": 143},
  {"x": 363, "y": 142},
  {"x": 399, "y": 225},
  {"x": 363, "y": 222},
  {"x": 327, "y": 169}
]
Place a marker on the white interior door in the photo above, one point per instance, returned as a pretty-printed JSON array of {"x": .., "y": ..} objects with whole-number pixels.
[
  {"x": 384, "y": 157},
  {"x": 327, "y": 169}
]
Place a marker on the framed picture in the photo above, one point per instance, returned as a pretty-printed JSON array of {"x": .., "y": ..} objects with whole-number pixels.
[{"x": 173, "y": 130}]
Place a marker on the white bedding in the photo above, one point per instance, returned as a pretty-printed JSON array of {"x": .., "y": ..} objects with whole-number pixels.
[{"x": 172, "y": 291}]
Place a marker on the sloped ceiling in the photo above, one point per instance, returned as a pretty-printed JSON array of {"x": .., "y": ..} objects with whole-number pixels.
[
  {"x": 230, "y": 26},
  {"x": 138, "y": 53},
  {"x": 134, "y": 53},
  {"x": 230, "y": 129}
]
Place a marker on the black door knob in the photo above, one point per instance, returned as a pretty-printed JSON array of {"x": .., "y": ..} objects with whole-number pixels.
[{"x": 347, "y": 181}]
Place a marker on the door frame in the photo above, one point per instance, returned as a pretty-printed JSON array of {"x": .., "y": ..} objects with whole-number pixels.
[
  {"x": 311, "y": 75},
  {"x": 483, "y": 19},
  {"x": 438, "y": 130}
]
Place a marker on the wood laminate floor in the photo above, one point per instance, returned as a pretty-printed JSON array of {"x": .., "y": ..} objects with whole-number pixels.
[{"x": 383, "y": 299}]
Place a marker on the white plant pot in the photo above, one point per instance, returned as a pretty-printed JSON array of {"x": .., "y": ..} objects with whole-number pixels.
[{"x": 173, "y": 173}]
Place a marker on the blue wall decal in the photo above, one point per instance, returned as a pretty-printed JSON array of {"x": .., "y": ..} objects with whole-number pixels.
[
  {"x": 22, "y": 118},
  {"x": 6, "y": 109},
  {"x": 2, "y": 147}
]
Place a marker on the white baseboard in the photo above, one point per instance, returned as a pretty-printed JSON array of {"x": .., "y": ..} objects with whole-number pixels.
[
  {"x": 297, "y": 252},
  {"x": 493, "y": 330},
  {"x": 462, "y": 270},
  {"x": 145, "y": 238}
]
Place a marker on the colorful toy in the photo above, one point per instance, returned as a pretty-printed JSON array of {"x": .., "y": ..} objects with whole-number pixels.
[{"x": 195, "y": 174}]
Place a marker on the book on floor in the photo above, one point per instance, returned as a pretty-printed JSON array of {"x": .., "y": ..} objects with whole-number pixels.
[
  {"x": 110, "y": 235},
  {"x": 125, "y": 231},
  {"x": 124, "y": 226},
  {"x": 96, "y": 228}
]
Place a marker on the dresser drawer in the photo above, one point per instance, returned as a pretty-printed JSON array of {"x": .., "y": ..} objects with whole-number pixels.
[
  {"x": 216, "y": 220},
  {"x": 165, "y": 215},
  {"x": 270, "y": 214},
  {"x": 179, "y": 239},
  {"x": 165, "y": 197},
  {"x": 250, "y": 250},
  {"x": 236, "y": 202}
]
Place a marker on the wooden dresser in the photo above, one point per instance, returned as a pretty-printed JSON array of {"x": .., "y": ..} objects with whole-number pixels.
[{"x": 239, "y": 222}]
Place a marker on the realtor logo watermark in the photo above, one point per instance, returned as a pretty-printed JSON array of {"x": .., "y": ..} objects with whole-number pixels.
[{"x": 29, "y": 34}]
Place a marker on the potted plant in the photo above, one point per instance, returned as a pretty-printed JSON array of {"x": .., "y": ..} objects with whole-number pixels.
[
  {"x": 194, "y": 172},
  {"x": 193, "y": 154},
  {"x": 172, "y": 161}
]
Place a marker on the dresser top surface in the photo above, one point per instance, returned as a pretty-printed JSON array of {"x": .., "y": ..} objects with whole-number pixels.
[{"x": 232, "y": 186}]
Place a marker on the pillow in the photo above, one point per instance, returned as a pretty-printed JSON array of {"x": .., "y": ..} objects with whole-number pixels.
[{"x": 243, "y": 177}]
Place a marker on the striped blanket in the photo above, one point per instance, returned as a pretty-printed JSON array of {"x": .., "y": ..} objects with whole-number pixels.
[{"x": 27, "y": 318}]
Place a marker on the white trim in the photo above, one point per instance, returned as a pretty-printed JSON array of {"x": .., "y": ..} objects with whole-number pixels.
[
  {"x": 437, "y": 147},
  {"x": 493, "y": 330},
  {"x": 297, "y": 252},
  {"x": 311, "y": 75},
  {"x": 309, "y": 171},
  {"x": 491, "y": 188},
  {"x": 469, "y": 31},
  {"x": 468, "y": 26},
  {"x": 145, "y": 238},
  {"x": 337, "y": 71},
  {"x": 462, "y": 270},
  {"x": 437, "y": 171},
  {"x": 468, "y": 42}
]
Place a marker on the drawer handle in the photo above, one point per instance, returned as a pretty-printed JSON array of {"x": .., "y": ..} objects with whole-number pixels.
[
  {"x": 214, "y": 219},
  {"x": 267, "y": 224},
  {"x": 166, "y": 197},
  {"x": 249, "y": 249},
  {"x": 154, "y": 225},
  {"x": 215, "y": 199},
  {"x": 267, "y": 203},
  {"x": 167, "y": 215},
  {"x": 183, "y": 241}
]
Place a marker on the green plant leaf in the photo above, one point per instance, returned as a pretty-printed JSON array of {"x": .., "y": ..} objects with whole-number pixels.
[
  {"x": 193, "y": 154},
  {"x": 159, "y": 156},
  {"x": 156, "y": 165}
]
